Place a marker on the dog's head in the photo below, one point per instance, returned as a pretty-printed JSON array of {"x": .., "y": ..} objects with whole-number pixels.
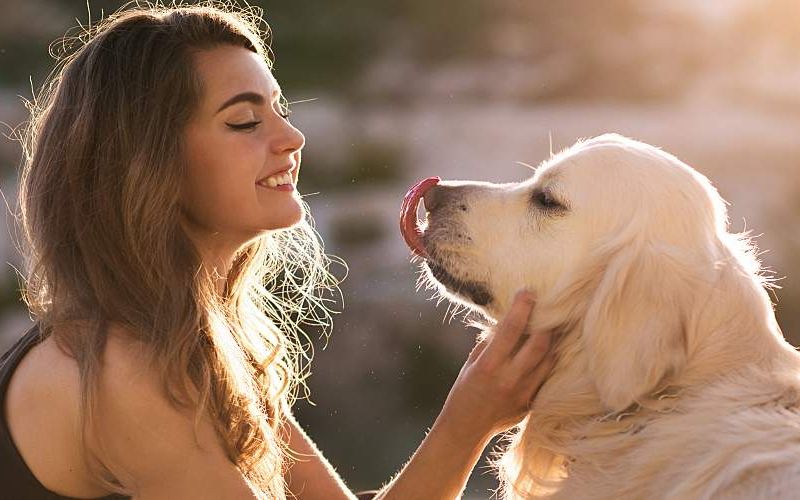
[{"x": 615, "y": 238}]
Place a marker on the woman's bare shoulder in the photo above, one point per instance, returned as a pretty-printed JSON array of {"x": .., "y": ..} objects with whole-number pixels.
[
  {"x": 42, "y": 412},
  {"x": 43, "y": 406},
  {"x": 147, "y": 444}
]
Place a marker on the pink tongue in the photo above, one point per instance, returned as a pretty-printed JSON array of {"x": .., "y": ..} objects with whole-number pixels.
[{"x": 408, "y": 215}]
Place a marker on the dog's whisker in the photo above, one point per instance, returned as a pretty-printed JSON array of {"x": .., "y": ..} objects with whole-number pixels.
[
  {"x": 449, "y": 305},
  {"x": 454, "y": 313},
  {"x": 527, "y": 165},
  {"x": 301, "y": 101}
]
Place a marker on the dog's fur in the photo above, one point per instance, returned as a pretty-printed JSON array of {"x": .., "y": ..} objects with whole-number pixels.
[{"x": 673, "y": 378}]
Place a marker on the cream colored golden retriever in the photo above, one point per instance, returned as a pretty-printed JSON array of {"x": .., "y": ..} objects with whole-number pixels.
[{"x": 673, "y": 378}]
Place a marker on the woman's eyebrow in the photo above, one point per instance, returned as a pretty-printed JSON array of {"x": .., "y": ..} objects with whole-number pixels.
[{"x": 253, "y": 97}]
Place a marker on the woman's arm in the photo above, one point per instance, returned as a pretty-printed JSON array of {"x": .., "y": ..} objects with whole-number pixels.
[
  {"x": 491, "y": 394},
  {"x": 311, "y": 476}
]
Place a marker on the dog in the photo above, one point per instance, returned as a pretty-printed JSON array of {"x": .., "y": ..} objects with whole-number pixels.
[{"x": 673, "y": 379}]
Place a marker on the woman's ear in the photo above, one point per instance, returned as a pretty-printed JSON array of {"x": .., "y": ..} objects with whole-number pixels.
[{"x": 633, "y": 332}]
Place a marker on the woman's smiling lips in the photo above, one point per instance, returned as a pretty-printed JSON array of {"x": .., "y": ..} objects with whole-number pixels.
[
  {"x": 280, "y": 187},
  {"x": 281, "y": 181}
]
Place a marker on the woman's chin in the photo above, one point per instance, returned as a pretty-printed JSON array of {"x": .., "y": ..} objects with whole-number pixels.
[{"x": 286, "y": 219}]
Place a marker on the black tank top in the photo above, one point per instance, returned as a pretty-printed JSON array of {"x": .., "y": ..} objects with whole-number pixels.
[{"x": 17, "y": 482}]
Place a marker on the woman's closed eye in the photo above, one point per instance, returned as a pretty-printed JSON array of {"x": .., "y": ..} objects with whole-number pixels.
[
  {"x": 243, "y": 126},
  {"x": 283, "y": 112}
]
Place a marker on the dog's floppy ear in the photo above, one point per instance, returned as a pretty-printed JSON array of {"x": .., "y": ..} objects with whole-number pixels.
[{"x": 633, "y": 330}]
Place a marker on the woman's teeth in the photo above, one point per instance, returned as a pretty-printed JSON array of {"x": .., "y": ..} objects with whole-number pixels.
[{"x": 277, "y": 180}]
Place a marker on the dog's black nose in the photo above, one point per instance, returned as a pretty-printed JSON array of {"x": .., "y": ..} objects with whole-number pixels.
[{"x": 443, "y": 195}]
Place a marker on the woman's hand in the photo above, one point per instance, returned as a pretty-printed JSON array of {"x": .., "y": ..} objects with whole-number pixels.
[
  {"x": 502, "y": 374},
  {"x": 491, "y": 394}
]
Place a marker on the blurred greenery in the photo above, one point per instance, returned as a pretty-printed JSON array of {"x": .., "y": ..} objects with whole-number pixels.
[
  {"x": 368, "y": 164},
  {"x": 360, "y": 231}
]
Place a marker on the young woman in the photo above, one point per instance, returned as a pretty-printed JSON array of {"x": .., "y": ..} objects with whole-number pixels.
[{"x": 170, "y": 265}]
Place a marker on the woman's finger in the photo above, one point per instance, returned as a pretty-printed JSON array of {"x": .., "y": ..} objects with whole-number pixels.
[
  {"x": 530, "y": 354},
  {"x": 477, "y": 350},
  {"x": 511, "y": 327}
]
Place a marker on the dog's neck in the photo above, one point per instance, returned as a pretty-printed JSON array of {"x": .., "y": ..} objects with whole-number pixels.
[
  {"x": 569, "y": 425},
  {"x": 721, "y": 355},
  {"x": 662, "y": 402}
]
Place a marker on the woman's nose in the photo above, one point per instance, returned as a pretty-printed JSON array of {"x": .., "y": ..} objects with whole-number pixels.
[{"x": 290, "y": 139}]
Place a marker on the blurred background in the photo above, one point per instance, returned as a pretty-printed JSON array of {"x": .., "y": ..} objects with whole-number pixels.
[{"x": 464, "y": 89}]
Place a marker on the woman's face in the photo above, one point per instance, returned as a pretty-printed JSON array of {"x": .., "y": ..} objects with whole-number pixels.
[{"x": 238, "y": 145}]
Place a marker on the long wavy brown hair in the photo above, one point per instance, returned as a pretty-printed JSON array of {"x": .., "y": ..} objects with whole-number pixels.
[{"x": 102, "y": 238}]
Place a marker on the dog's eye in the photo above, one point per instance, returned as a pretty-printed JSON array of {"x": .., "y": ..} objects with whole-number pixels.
[{"x": 545, "y": 200}]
